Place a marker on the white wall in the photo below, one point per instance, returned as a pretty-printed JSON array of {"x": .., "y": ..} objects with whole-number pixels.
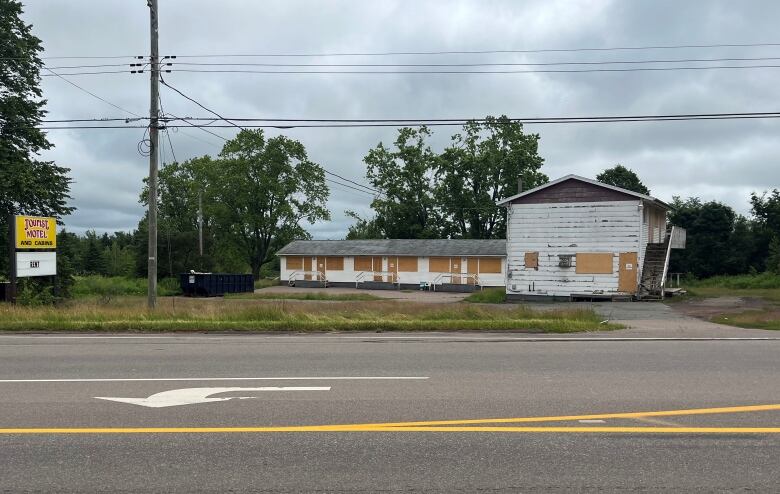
[
  {"x": 349, "y": 274},
  {"x": 566, "y": 229}
]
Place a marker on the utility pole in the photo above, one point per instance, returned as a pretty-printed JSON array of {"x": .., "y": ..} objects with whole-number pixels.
[
  {"x": 200, "y": 223},
  {"x": 154, "y": 140}
]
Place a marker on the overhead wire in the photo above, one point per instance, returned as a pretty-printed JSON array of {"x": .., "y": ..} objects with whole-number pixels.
[{"x": 242, "y": 128}]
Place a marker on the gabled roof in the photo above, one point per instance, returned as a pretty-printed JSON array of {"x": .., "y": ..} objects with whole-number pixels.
[
  {"x": 589, "y": 181},
  {"x": 395, "y": 247}
]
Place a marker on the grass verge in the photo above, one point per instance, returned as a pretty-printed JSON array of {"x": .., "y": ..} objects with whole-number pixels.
[
  {"x": 488, "y": 296},
  {"x": 754, "y": 319},
  {"x": 178, "y": 314}
]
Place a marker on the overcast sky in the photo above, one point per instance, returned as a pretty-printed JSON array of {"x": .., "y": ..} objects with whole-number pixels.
[{"x": 720, "y": 160}]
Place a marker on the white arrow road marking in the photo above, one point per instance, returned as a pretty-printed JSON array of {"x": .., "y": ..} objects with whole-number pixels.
[{"x": 191, "y": 396}]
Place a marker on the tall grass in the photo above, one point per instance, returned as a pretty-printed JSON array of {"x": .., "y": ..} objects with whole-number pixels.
[
  {"x": 178, "y": 314},
  {"x": 116, "y": 286},
  {"x": 488, "y": 296},
  {"x": 743, "y": 282}
]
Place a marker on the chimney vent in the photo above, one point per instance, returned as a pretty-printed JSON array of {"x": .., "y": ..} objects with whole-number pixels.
[{"x": 519, "y": 185}]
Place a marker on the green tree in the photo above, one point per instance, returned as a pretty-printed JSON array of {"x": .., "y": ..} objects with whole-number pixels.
[
  {"x": 623, "y": 177},
  {"x": 94, "y": 260},
  {"x": 404, "y": 175},
  {"x": 481, "y": 167},
  {"x": 260, "y": 191},
  {"x": 719, "y": 241},
  {"x": 362, "y": 229},
  {"x": 27, "y": 185}
]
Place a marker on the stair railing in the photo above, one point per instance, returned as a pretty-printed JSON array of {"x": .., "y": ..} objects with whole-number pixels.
[
  {"x": 666, "y": 261},
  {"x": 319, "y": 275}
]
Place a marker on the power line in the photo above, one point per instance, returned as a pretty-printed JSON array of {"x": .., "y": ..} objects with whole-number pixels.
[
  {"x": 348, "y": 186},
  {"x": 242, "y": 128},
  {"x": 92, "y": 94},
  {"x": 92, "y": 73},
  {"x": 416, "y": 53},
  {"x": 465, "y": 72},
  {"x": 426, "y": 120},
  {"x": 433, "y": 123},
  {"x": 442, "y": 72},
  {"x": 471, "y": 64},
  {"x": 487, "y": 52}
]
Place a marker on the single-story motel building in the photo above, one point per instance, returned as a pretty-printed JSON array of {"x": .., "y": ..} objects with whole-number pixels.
[
  {"x": 437, "y": 264},
  {"x": 572, "y": 238}
]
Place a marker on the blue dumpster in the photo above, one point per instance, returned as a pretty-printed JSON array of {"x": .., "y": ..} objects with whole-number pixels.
[{"x": 215, "y": 284}]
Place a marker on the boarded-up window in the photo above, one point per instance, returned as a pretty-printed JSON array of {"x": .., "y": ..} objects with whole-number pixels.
[
  {"x": 472, "y": 265},
  {"x": 363, "y": 263},
  {"x": 594, "y": 263},
  {"x": 439, "y": 265},
  {"x": 488, "y": 265},
  {"x": 407, "y": 264},
  {"x": 531, "y": 260},
  {"x": 334, "y": 263},
  {"x": 294, "y": 262}
]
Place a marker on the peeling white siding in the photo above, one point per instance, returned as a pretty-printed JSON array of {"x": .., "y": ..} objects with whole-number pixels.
[{"x": 555, "y": 229}]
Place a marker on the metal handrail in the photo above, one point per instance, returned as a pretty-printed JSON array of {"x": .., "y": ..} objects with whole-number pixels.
[
  {"x": 438, "y": 279},
  {"x": 666, "y": 261},
  {"x": 360, "y": 277},
  {"x": 319, "y": 274}
]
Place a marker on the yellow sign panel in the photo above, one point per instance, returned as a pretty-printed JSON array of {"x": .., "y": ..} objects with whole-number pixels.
[{"x": 35, "y": 232}]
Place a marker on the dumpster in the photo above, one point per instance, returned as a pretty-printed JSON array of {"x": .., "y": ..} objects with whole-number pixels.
[{"x": 215, "y": 284}]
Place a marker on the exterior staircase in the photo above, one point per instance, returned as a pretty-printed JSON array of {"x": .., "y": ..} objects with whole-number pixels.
[{"x": 651, "y": 287}]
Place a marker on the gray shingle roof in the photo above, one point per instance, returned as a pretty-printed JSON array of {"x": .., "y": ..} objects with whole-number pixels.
[{"x": 397, "y": 247}]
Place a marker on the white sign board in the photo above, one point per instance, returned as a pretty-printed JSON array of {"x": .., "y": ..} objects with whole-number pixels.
[{"x": 36, "y": 264}]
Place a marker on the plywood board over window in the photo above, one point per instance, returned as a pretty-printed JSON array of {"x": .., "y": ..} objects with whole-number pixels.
[
  {"x": 294, "y": 262},
  {"x": 594, "y": 263},
  {"x": 439, "y": 265},
  {"x": 334, "y": 263},
  {"x": 407, "y": 264},
  {"x": 531, "y": 260},
  {"x": 489, "y": 265},
  {"x": 363, "y": 263}
]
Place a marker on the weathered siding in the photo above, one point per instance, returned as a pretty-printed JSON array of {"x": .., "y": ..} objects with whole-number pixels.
[
  {"x": 573, "y": 191},
  {"x": 568, "y": 228}
]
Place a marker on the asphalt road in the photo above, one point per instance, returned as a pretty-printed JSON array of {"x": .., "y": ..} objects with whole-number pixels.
[{"x": 57, "y": 435}]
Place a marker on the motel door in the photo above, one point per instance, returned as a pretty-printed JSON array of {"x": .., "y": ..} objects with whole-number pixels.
[
  {"x": 320, "y": 268},
  {"x": 627, "y": 279},
  {"x": 307, "y": 267},
  {"x": 378, "y": 267},
  {"x": 455, "y": 268}
]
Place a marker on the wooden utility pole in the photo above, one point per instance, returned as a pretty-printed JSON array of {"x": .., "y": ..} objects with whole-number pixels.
[
  {"x": 154, "y": 140},
  {"x": 200, "y": 224}
]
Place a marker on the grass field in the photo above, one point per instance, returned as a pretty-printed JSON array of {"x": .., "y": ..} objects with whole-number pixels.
[
  {"x": 182, "y": 314},
  {"x": 488, "y": 296}
]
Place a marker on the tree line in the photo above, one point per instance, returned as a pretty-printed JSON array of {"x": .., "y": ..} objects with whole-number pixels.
[{"x": 258, "y": 193}]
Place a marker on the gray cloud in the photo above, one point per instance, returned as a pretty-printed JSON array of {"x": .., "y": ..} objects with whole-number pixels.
[{"x": 723, "y": 160}]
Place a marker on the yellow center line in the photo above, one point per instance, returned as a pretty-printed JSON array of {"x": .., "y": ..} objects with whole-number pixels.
[
  {"x": 567, "y": 418},
  {"x": 474, "y": 425},
  {"x": 206, "y": 430}
]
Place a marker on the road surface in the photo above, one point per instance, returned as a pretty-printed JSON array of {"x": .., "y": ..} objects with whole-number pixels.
[{"x": 386, "y": 413}]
